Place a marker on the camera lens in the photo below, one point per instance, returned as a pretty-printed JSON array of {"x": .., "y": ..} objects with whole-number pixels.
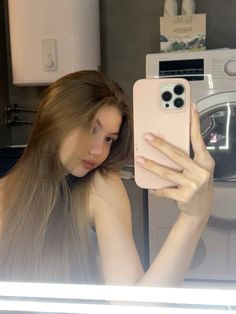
[
  {"x": 178, "y": 102},
  {"x": 166, "y": 96},
  {"x": 179, "y": 89}
]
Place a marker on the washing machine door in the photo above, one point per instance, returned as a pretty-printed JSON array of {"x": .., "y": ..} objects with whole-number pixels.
[{"x": 218, "y": 127}]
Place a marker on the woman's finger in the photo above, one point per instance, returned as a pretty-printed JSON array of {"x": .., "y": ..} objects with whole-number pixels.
[
  {"x": 195, "y": 132},
  {"x": 180, "y": 195},
  {"x": 180, "y": 158},
  {"x": 172, "y": 152},
  {"x": 173, "y": 175},
  {"x": 201, "y": 155}
]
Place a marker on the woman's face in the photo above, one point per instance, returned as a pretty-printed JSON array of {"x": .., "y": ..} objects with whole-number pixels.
[{"x": 85, "y": 149}]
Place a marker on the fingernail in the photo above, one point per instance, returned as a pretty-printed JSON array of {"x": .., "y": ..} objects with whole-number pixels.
[
  {"x": 140, "y": 160},
  {"x": 149, "y": 137},
  {"x": 194, "y": 107}
]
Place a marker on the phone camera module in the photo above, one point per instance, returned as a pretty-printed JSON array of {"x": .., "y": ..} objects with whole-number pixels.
[
  {"x": 179, "y": 102},
  {"x": 166, "y": 96},
  {"x": 179, "y": 89}
]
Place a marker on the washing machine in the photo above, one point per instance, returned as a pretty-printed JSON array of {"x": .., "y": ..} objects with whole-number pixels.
[{"x": 212, "y": 76}]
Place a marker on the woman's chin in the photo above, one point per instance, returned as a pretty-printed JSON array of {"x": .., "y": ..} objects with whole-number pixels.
[{"x": 79, "y": 172}]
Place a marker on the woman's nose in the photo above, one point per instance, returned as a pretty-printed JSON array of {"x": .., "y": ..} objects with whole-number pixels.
[{"x": 97, "y": 147}]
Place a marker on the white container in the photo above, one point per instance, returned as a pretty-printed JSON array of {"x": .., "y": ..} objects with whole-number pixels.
[
  {"x": 170, "y": 8},
  {"x": 50, "y": 38},
  {"x": 188, "y": 7}
]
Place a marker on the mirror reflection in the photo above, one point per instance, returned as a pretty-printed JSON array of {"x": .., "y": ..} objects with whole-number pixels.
[
  {"x": 64, "y": 196},
  {"x": 70, "y": 208}
]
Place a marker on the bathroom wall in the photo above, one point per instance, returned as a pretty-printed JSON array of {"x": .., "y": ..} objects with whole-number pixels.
[{"x": 129, "y": 30}]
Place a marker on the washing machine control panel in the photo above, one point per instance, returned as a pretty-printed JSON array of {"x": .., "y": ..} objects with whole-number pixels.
[
  {"x": 190, "y": 69},
  {"x": 207, "y": 70}
]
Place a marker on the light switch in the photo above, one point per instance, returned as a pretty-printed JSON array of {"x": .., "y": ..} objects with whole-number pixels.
[{"x": 49, "y": 54}]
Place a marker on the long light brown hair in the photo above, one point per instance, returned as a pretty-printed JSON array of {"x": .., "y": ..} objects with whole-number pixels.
[{"x": 46, "y": 234}]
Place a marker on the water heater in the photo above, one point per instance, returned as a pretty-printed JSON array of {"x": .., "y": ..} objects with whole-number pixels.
[{"x": 50, "y": 38}]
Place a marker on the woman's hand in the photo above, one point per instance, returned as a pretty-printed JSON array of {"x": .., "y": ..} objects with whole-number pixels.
[{"x": 194, "y": 184}]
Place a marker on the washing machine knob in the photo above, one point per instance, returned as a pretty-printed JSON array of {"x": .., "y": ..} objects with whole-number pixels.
[{"x": 230, "y": 68}]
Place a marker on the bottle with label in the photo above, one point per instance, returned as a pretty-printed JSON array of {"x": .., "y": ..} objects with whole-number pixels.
[
  {"x": 188, "y": 7},
  {"x": 170, "y": 8}
]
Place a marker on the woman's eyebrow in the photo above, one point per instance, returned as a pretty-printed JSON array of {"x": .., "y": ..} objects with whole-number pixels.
[{"x": 101, "y": 126}]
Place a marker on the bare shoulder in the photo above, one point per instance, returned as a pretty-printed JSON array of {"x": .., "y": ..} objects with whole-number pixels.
[
  {"x": 108, "y": 181},
  {"x": 108, "y": 193},
  {"x": 110, "y": 187}
]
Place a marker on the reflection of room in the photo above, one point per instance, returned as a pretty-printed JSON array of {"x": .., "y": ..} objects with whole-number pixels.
[{"x": 128, "y": 32}]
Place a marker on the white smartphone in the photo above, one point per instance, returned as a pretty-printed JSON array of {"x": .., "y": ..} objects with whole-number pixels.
[{"x": 161, "y": 107}]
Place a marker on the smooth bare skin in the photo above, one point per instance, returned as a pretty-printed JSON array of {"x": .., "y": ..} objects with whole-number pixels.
[{"x": 111, "y": 215}]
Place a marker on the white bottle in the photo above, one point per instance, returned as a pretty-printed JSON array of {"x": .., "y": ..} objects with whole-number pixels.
[
  {"x": 188, "y": 7},
  {"x": 170, "y": 8}
]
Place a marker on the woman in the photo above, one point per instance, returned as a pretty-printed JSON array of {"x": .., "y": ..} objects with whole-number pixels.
[{"x": 66, "y": 188}]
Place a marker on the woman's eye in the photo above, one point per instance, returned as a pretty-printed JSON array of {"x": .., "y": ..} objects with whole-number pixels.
[{"x": 110, "y": 140}]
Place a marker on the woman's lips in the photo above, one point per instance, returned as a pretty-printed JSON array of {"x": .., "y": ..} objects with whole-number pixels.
[{"x": 88, "y": 164}]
